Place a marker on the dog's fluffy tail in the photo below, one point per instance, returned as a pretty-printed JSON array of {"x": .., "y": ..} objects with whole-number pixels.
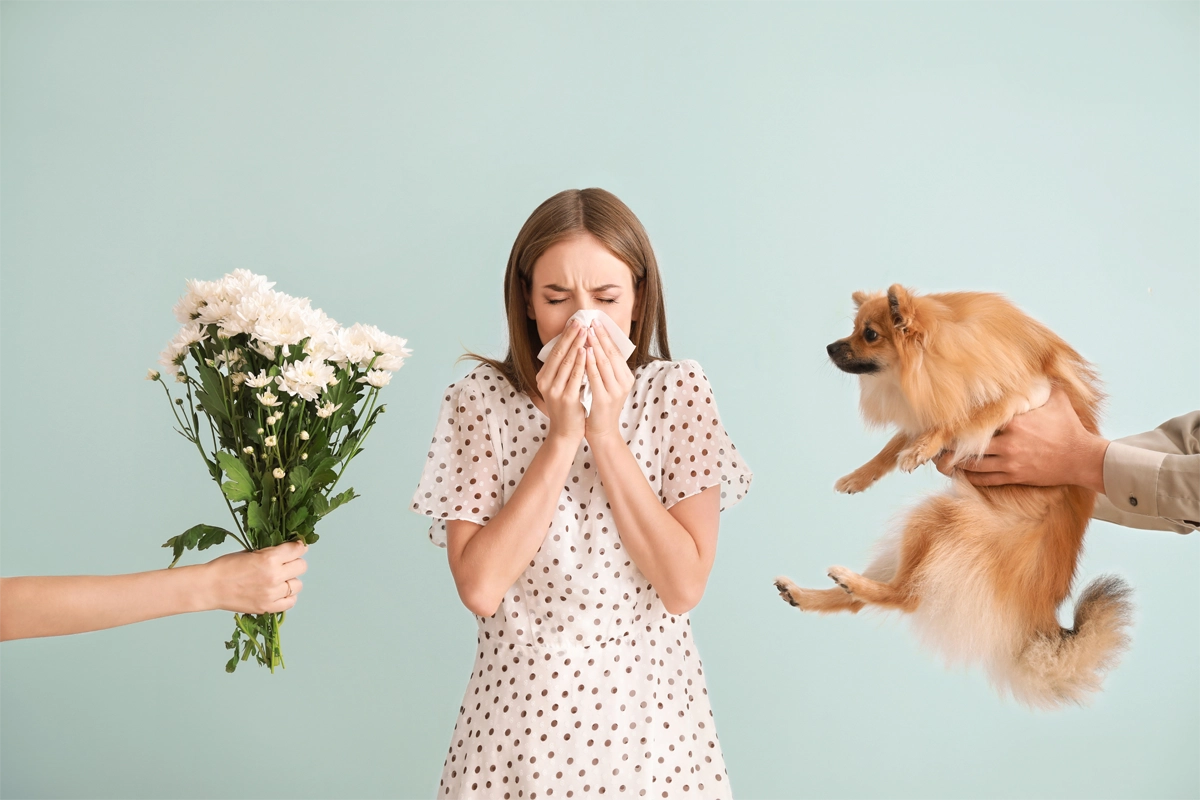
[{"x": 1065, "y": 668}]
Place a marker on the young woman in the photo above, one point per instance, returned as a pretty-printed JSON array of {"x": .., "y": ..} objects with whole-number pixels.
[{"x": 581, "y": 541}]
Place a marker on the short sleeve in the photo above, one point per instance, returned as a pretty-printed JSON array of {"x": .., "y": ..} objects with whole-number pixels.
[
  {"x": 461, "y": 479},
  {"x": 697, "y": 451}
]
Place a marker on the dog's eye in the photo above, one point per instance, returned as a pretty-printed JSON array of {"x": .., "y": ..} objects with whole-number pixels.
[{"x": 870, "y": 335}]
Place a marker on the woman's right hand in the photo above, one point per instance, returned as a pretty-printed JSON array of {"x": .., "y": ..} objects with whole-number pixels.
[{"x": 559, "y": 381}]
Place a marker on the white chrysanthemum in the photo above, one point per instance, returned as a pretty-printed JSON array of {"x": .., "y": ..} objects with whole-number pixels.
[
  {"x": 365, "y": 346},
  {"x": 355, "y": 346},
  {"x": 377, "y": 378},
  {"x": 267, "y": 399},
  {"x": 152, "y": 375},
  {"x": 296, "y": 389},
  {"x": 270, "y": 441},
  {"x": 278, "y": 473},
  {"x": 306, "y": 378},
  {"x": 249, "y": 309},
  {"x": 263, "y": 349},
  {"x": 177, "y": 349},
  {"x": 260, "y": 380},
  {"x": 214, "y": 311},
  {"x": 242, "y": 282},
  {"x": 327, "y": 409},
  {"x": 392, "y": 347},
  {"x": 198, "y": 293},
  {"x": 287, "y": 327},
  {"x": 389, "y": 361}
]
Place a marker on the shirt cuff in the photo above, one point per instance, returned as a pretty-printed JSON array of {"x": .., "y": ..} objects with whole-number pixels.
[{"x": 1131, "y": 478}]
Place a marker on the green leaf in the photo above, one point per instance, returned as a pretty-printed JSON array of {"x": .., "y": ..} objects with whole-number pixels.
[
  {"x": 211, "y": 535},
  {"x": 310, "y": 538},
  {"x": 176, "y": 543},
  {"x": 323, "y": 478},
  {"x": 240, "y": 485},
  {"x": 248, "y": 624},
  {"x": 341, "y": 499},
  {"x": 201, "y": 536},
  {"x": 347, "y": 446},
  {"x": 232, "y": 663},
  {"x": 296, "y": 517},
  {"x": 255, "y": 518},
  {"x": 300, "y": 478},
  {"x": 319, "y": 505}
]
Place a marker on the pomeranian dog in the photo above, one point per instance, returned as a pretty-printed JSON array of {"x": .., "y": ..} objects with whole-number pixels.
[{"x": 981, "y": 570}]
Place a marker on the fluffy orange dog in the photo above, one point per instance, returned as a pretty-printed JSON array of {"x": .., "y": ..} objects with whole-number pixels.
[{"x": 982, "y": 571}]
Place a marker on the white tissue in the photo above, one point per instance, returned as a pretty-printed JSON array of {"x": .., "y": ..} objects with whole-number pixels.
[{"x": 589, "y": 318}]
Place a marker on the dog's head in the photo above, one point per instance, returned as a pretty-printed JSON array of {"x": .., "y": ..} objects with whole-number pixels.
[{"x": 886, "y": 328}]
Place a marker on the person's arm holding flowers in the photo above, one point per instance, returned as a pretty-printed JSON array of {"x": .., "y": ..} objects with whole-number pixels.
[{"x": 262, "y": 582}]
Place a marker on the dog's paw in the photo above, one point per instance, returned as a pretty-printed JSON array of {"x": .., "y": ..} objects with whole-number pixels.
[
  {"x": 913, "y": 457},
  {"x": 854, "y": 483},
  {"x": 841, "y": 576},
  {"x": 785, "y": 588}
]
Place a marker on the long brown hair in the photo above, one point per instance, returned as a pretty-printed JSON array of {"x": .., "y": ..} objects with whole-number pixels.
[{"x": 566, "y": 214}]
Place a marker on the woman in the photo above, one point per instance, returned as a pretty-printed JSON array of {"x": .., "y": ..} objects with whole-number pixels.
[{"x": 579, "y": 540}]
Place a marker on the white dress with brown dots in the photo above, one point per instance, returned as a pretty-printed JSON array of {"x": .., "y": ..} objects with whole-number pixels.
[{"x": 584, "y": 685}]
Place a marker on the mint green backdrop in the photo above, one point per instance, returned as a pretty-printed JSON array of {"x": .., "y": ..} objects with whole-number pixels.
[{"x": 380, "y": 158}]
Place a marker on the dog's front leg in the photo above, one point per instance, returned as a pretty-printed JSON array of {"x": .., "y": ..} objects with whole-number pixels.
[
  {"x": 874, "y": 469},
  {"x": 923, "y": 448}
]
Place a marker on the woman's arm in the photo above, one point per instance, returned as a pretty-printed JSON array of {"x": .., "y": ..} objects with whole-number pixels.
[
  {"x": 253, "y": 583},
  {"x": 673, "y": 548},
  {"x": 487, "y": 559}
]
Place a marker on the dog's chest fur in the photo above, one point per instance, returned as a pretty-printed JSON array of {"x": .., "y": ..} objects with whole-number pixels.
[{"x": 883, "y": 403}]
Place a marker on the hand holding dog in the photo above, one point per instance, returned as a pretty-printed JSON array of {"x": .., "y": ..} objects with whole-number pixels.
[{"x": 1046, "y": 446}]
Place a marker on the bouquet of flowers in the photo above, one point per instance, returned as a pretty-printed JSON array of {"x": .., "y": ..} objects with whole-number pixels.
[{"x": 285, "y": 398}]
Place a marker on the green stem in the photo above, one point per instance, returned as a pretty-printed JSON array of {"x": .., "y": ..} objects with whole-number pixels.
[{"x": 358, "y": 444}]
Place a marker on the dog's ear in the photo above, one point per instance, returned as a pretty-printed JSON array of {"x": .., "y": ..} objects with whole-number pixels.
[
  {"x": 859, "y": 298},
  {"x": 903, "y": 310}
]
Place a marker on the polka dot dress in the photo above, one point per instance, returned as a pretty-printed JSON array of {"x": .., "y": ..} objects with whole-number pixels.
[{"x": 584, "y": 685}]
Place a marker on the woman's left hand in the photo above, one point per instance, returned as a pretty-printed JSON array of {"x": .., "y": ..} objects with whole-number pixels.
[{"x": 610, "y": 380}]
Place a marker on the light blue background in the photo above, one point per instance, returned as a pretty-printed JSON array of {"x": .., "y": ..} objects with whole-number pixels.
[{"x": 380, "y": 158}]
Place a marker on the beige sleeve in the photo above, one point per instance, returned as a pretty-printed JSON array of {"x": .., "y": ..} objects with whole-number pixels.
[{"x": 1152, "y": 479}]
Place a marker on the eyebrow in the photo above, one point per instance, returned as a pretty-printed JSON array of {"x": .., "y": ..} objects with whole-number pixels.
[{"x": 554, "y": 287}]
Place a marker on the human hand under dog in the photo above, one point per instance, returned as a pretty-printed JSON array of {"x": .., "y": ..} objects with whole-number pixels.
[{"x": 1046, "y": 446}]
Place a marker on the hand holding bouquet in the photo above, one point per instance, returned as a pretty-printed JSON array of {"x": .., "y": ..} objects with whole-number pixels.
[{"x": 285, "y": 398}]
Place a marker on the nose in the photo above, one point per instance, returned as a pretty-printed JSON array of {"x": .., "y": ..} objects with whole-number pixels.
[{"x": 835, "y": 348}]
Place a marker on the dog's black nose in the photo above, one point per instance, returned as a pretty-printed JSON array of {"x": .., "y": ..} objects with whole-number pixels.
[{"x": 834, "y": 348}]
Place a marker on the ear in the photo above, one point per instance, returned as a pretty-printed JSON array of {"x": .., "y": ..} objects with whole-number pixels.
[
  {"x": 903, "y": 310},
  {"x": 859, "y": 298}
]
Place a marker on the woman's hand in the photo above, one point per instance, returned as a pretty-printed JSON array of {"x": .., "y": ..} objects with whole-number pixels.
[
  {"x": 262, "y": 582},
  {"x": 610, "y": 380},
  {"x": 559, "y": 381},
  {"x": 1046, "y": 446}
]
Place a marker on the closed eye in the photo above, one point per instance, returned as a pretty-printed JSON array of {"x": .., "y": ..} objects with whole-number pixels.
[{"x": 601, "y": 299}]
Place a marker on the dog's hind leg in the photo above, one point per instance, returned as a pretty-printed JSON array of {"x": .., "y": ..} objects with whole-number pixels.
[
  {"x": 822, "y": 601},
  {"x": 891, "y": 595}
]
